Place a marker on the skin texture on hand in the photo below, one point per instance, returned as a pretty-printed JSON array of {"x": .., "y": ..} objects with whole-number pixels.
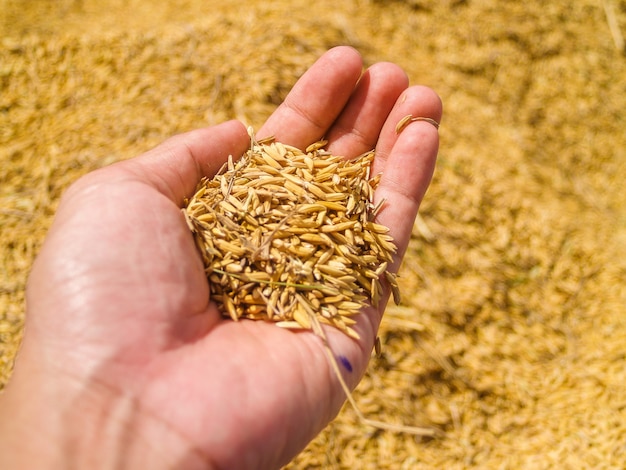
[{"x": 126, "y": 363}]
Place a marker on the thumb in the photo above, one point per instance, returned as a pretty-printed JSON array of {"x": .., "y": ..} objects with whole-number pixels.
[{"x": 175, "y": 167}]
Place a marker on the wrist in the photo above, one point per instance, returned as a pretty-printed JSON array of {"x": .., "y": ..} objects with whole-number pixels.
[{"x": 63, "y": 423}]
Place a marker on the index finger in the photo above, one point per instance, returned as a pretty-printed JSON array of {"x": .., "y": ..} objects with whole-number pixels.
[{"x": 316, "y": 99}]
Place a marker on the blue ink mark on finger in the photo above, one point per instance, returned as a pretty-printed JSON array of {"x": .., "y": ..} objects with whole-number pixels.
[{"x": 346, "y": 363}]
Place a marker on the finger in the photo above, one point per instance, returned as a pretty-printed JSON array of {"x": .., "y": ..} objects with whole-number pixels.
[
  {"x": 418, "y": 101},
  {"x": 358, "y": 127},
  {"x": 176, "y": 166},
  {"x": 407, "y": 161},
  {"x": 316, "y": 99}
]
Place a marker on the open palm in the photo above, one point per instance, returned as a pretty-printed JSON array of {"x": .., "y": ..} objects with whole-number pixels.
[{"x": 121, "y": 333}]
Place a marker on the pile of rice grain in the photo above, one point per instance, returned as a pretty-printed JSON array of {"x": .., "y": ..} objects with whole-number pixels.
[{"x": 287, "y": 235}]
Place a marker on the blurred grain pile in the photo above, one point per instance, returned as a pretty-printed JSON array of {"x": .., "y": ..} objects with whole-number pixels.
[{"x": 512, "y": 333}]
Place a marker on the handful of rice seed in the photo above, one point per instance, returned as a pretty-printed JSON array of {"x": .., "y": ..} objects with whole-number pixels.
[{"x": 289, "y": 236}]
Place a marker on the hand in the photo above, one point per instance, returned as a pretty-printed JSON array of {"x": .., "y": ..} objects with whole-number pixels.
[{"x": 126, "y": 363}]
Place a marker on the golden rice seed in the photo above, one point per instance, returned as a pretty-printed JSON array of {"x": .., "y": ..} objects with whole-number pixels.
[
  {"x": 284, "y": 297},
  {"x": 249, "y": 202},
  {"x": 294, "y": 179},
  {"x": 234, "y": 268},
  {"x": 256, "y": 296},
  {"x": 290, "y": 325},
  {"x": 328, "y": 290},
  {"x": 315, "y": 293},
  {"x": 326, "y": 255},
  {"x": 363, "y": 281},
  {"x": 301, "y": 317},
  {"x": 332, "y": 310},
  {"x": 236, "y": 203},
  {"x": 271, "y": 303},
  {"x": 386, "y": 247},
  {"x": 375, "y": 228},
  {"x": 409, "y": 118},
  {"x": 343, "y": 313},
  {"x": 316, "y": 146},
  {"x": 269, "y": 159},
  {"x": 230, "y": 163},
  {"x": 395, "y": 290},
  {"x": 294, "y": 188},
  {"x": 283, "y": 150},
  {"x": 315, "y": 189},
  {"x": 230, "y": 307},
  {"x": 378, "y": 349},
  {"x": 255, "y": 316},
  {"x": 374, "y": 181},
  {"x": 294, "y": 151},
  {"x": 381, "y": 269},
  {"x": 200, "y": 192},
  {"x": 225, "y": 246},
  {"x": 347, "y": 278},
  {"x": 325, "y": 312},
  {"x": 339, "y": 227},
  {"x": 266, "y": 171},
  {"x": 302, "y": 251},
  {"x": 218, "y": 232},
  {"x": 331, "y": 322},
  {"x": 348, "y": 305},
  {"x": 348, "y": 320},
  {"x": 338, "y": 323},
  {"x": 355, "y": 259},
  {"x": 339, "y": 239},
  {"x": 319, "y": 220},
  {"x": 352, "y": 333},
  {"x": 331, "y": 299},
  {"x": 351, "y": 204},
  {"x": 340, "y": 284},
  {"x": 336, "y": 197},
  {"x": 306, "y": 175},
  {"x": 257, "y": 276},
  {"x": 370, "y": 273},
  {"x": 339, "y": 263},
  {"x": 385, "y": 241},
  {"x": 374, "y": 292},
  {"x": 379, "y": 287},
  {"x": 278, "y": 243},
  {"x": 256, "y": 310},
  {"x": 310, "y": 208},
  {"x": 403, "y": 123},
  {"x": 315, "y": 303},
  {"x": 228, "y": 207},
  {"x": 281, "y": 274},
  {"x": 310, "y": 163},
  {"x": 224, "y": 281},
  {"x": 349, "y": 235},
  {"x": 386, "y": 256},
  {"x": 326, "y": 269},
  {"x": 312, "y": 237},
  {"x": 361, "y": 298},
  {"x": 265, "y": 140}
]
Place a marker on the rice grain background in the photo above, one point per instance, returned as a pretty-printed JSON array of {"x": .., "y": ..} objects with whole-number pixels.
[{"x": 512, "y": 332}]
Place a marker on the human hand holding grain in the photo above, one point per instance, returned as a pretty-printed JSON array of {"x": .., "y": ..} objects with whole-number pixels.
[{"x": 126, "y": 363}]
